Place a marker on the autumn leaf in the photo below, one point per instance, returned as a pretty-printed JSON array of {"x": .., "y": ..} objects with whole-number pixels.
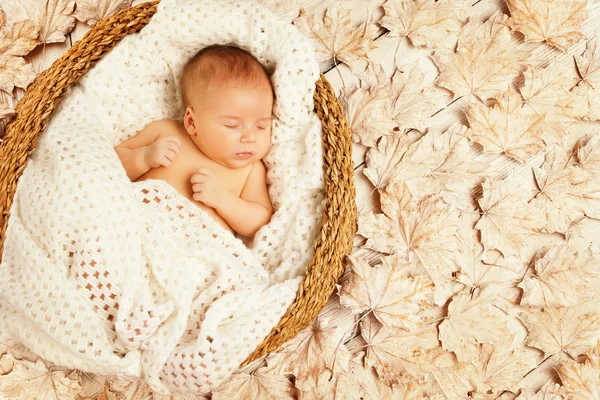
[
  {"x": 6, "y": 110},
  {"x": 397, "y": 352},
  {"x": 569, "y": 189},
  {"x": 18, "y": 39},
  {"x": 588, "y": 154},
  {"x": 562, "y": 277},
  {"x": 507, "y": 128},
  {"x": 572, "y": 330},
  {"x": 556, "y": 22},
  {"x": 387, "y": 290},
  {"x": 316, "y": 349},
  {"x": 548, "y": 91},
  {"x": 588, "y": 64},
  {"x": 507, "y": 220},
  {"x": 30, "y": 380},
  {"x": 580, "y": 380},
  {"x": 389, "y": 160},
  {"x": 485, "y": 62},
  {"x": 426, "y": 22},
  {"x": 421, "y": 226},
  {"x": 369, "y": 106},
  {"x": 15, "y": 72},
  {"x": 588, "y": 68},
  {"x": 336, "y": 36},
  {"x": 480, "y": 271},
  {"x": 415, "y": 99},
  {"x": 434, "y": 163},
  {"x": 382, "y": 106},
  {"x": 554, "y": 180},
  {"x": 474, "y": 321},
  {"x": 51, "y": 18},
  {"x": 451, "y": 383},
  {"x": 499, "y": 368},
  {"x": 257, "y": 385},
  {"x": 92, "y": 11},
  {"x": 547, "y": 392}
]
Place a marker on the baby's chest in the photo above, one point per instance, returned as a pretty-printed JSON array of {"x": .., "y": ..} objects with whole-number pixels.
[{"x": 188, "y": 165}]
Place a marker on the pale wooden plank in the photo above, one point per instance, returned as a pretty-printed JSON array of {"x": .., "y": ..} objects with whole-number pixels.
[{"x": 79, "y": 31}]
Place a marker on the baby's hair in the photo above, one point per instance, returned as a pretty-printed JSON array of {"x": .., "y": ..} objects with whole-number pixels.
[{"x": 218, "y": 65}]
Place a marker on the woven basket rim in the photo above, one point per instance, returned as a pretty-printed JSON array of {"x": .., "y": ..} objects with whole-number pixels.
[{"x": 338, "y": 224}]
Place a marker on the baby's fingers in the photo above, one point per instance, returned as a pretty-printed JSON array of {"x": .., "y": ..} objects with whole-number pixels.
[
  {"x": 170, "y": 154},
  {"x": 165, "y": 161},
  {"x": 197, "y": 178},
  {"x": 197, "y": 188}
]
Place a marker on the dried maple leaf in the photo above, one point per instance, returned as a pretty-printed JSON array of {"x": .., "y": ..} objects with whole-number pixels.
[
  {"x": 426, "y": 22},
  {"x": 507, "y": 220},
  {"x": 569, "y": 192},
  {"x": 474, "y": 321},
  {"x": 92, "y": 11},
  {"x": 30, "y": 380},
  {"x": 548, "y": 91},
  {"x": 556, "y": 22},
  {"x": 507, "y": 128},
  {"x": 499, "y": 368},
  {"x": 415, "y": 99},
  {"x": 453, "y": 383},
  {"x": 314, "y": 350},
  {"x": 6, "y": 110},
  {"x": 396, "y": 352},
  {"x": 588, "y": 64},
  {"x": 15, "y": 72},
  {"x": 389, "y": 160},
  {"x": 382, "y": 106},
  {"x": 387, "y": 290},
  {"x": 547, "y": 392},
  {"x": 369, "y": 105},
  {"x": 436, "y": 162},
  {"x": 52, "y": 18},
  {"x": 591, "y": 99},
  {"x": 588, "y": 67},
  {"x": 18, "y": 39},
  {"x": 588, "y": 154},
  {"x": 423, "y": 227},
  {"x": 562, "y": 277},
  {"x": 485, "y": 62},
  {"x": 257, "y": 385},
  {"x": 572, "y": 330},
  {"x": 478, "y": 270},
  {"x": 336, "y": 36},
  {"x": 580, "y": 380}
]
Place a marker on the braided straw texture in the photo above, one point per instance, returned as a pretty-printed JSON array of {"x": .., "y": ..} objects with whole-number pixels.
[{"x": 339, "y": 219}]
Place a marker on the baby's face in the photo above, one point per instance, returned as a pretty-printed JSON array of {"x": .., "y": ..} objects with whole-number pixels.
[{"x": 233, "y": 124}]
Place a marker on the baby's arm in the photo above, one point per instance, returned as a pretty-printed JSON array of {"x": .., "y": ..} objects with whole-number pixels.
[
  {"x": 245, "y": 214},
  {"x": 144, "y": 151}
]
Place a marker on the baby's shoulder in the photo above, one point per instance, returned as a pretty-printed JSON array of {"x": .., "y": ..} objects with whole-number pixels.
[
  {"x": 165, "y": 127},
  {"x": 256, "y": 172}
]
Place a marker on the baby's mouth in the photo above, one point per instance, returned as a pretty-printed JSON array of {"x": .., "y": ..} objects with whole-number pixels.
[{"x": 244, "y": 154}]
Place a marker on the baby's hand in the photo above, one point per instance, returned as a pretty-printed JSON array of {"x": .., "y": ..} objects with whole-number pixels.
[
  {"x": 207, "y": 187},
  {"x": 162, "y": 152}
]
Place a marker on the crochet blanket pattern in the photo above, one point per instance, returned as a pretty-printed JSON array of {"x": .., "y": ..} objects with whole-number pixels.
[{"x": 133, "y": 280}]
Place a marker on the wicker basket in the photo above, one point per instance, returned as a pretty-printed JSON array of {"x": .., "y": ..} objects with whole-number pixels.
[{"x": 339, "y": 218}]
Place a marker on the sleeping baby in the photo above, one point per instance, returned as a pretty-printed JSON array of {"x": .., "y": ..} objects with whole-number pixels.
[{"x": 213, "y": 156}]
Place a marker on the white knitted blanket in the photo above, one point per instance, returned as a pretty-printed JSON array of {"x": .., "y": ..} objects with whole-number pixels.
[{"x": 132, "y": 279}]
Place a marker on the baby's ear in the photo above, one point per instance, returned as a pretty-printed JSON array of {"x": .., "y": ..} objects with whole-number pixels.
[{"x": 188, "y": 121}]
